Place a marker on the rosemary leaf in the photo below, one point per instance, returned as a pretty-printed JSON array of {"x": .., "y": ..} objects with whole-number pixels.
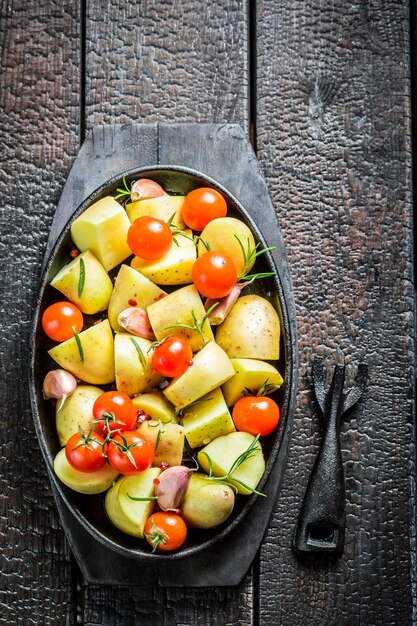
[
  {"x": 139, "y": 351},
  {"x": 144, "y": 499},
  {"x": 81, "y": 280},
  {"x": 79, "y": 344}
]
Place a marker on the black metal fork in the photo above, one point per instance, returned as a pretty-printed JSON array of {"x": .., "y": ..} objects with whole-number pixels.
[{"x": 321, "y": 522}]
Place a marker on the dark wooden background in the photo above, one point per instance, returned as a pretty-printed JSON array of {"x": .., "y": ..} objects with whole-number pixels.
[{"x": 323, "y": 89}]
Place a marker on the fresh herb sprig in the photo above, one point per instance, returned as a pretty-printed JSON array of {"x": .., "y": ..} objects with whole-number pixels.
[
  {"x": 196, "y": 326},
  {"x": 265, "y": 389},
  {"x": 124, "y": 192},
  {"x": 161, "y": 431},
  {"x": 176, "y": 230},
  {"x": 246, "y": 454},
  {"x": 249, "y": 256}
]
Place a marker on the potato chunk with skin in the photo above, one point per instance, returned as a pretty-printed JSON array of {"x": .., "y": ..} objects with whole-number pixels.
[
  {"x": 211, "y": 368},
  {"x": 131, "y": 286},
  {"x": 76, "y": 411},
  {"x": 176, "y": 309},
  {"x": 251, "y": 330},
  {"x": 163, "y": 208},
  {"x": 102, "y": 228},
  {"x": 83, "y": 482},
  {"x": 206, "y": 419},
  {"x": 156, "y": 406},
  {"x": 175, "y": 268},
  {"x": 224, "y": 451},
  {"x": 250, "y": 374},
  {"x": 133, "y": 365},
  {"x": 167, "y": 440},
  {"x": 95, "y": 364},
  {"x": 96, "y": 292}
]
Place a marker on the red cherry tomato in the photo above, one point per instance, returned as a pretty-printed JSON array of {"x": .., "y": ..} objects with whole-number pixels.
[
  {"x": 201, "y": 206},
  {"x": 113, "y": 407},
  {"x": 129, "y": 444},
  {"x": 59, "y": 319},
  {"x": 256, "y": 415},
  {"x": 173, "y": 356},
  {"x": 165, "y": 531},
  {"x": 149, "y": 238},
  {"x": 214, "y": 274},
  {"x": 85, "y": 452}
]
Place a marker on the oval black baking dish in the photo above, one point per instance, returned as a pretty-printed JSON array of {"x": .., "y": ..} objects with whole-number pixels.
[{"x": 89, "y": 510}]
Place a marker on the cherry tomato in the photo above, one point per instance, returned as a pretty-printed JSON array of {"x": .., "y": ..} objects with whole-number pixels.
[
  {"x": 113, "y": 407},
  {"x": 172, "y": 357},
  {"x": 256, "y": 415},
  {"x": 59, "y": 319},
  {"x": 84, "y": 451},
  {"x": 165, "y": 531},
  {"x": 214, "y": 274},
  {"x": 149, "y": 238},
  {"x": 201, "y": 206},
  {"x": 129, "y": 444}
]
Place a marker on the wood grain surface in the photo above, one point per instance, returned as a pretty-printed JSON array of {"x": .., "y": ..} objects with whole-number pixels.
[
  {"x": 39, "y": 87},
  {"x": 334, "y": 141},
  {"x": 332, "y": 87}
]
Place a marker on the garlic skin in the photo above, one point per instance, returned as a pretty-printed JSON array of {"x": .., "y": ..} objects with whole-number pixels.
[
  {"x": 59, "y": 384},
  {"x": 136, "y": 322},
  {"x": 172, "y": 486},
  {"x": 144, "y": 189}
]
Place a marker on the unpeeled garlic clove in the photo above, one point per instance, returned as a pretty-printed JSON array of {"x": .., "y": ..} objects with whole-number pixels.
[
  {"x": 172, "y": 487},
  {"x": 136, "y": 322},
  {"x": 220, "y": 312},
  {"x": 144, "y": 188},
  {"x": 59, "y": 384}
]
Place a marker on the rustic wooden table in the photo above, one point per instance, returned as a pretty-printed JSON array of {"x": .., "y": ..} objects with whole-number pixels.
[{"x": 323, "y": 90}]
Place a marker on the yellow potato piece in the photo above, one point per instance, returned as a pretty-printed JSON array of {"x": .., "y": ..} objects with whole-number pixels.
[
  {"x": 220, "y": 234},
  {"x": 134, "y": 374},
  {"x": 175, "y": 268},
  {"x": 162, "y": 208},
  {"x": 76, "y": 411}
]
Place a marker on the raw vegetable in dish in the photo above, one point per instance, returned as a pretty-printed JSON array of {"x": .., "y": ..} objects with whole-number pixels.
[{"x": 152, "y": 407}]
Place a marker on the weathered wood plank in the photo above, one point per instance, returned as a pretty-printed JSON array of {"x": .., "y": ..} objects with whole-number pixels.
[
  {"x": 39, "y": 136},
  {"x": 334, "y": 140},
  {"x": 167, "y": 61}
]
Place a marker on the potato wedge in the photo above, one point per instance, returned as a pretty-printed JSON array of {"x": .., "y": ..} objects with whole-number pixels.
[
  {"x": 206, "y": 419},
  {"x": 83, "y": 482},
  {"x": 133, "y": 365},
  {"x": 250, "y": 374},
  {"x": 221, "y": 236},
  {"x": 163, "y": 208},
  {"x": 175, "y": 268},
  {"x": 76, "y": 411},
  {"x": 167, "y": 440},
  {"x": 156, "y": 406}
]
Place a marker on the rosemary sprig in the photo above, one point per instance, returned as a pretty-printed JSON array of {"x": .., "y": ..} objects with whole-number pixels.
[
  {"x": 197, "y": 326},
  {"x": 204, "y": 242},
  {"x": 265, "y": 389},
  {"x": 249, "y": 256},
  {"x": 139, "y": 351},
  {"x": 244, "y": 456},
  {"x": 123, "y": 192},
  {"x": 79, "y": 344},
  {"x": 176, "y": 230},
  {"x": 81, "y": 280},
  {"x": 161, "y": 431}
]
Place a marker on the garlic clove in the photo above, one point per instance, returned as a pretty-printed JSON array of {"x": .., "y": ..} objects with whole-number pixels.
[
  {"x": 172, "y": 486},
  {"x": 58, "y": 384},
  {"x": 144, "y": 188},
  {"x": 136, "y": 322},
  {"x": 220, "y": 312}
]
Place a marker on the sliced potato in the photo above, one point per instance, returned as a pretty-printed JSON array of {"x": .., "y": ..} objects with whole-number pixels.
[
  {"x": 177, "y": 308},
  {"x": 206, "y": 419},
  {"x": 130, "y": 515},
  {"x": 163, "y": 207},
  {"x": 250, "y": 374},
  {"x": 251, "y": 330},
  {"x": 83, "y": 482},
  {"x": 102, "y": 228},
  {"x": 131, "y": 286},
  {"x": 133, "y": 365},
  {"x": 223, "y": 453},
  {"x": 167, "y": 440},
  {"x": 221, "y": 236},
  {"x": 156, "y": 406},
  {"x": 175, "y": 268},
  {"x": 76, "y": 411},
  {"x": 211, "y": 368},
  {"x": 95, "y": 364},
  {"x": 97, "y": 287}
]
